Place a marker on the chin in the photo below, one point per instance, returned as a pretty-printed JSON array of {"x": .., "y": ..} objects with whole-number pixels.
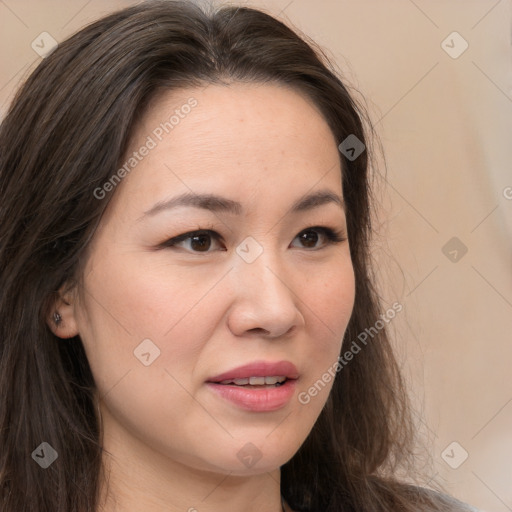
[{"x": 245, "y": 461}]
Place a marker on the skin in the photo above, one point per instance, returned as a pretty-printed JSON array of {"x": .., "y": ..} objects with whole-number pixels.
[{"x": 171, "y": 442}]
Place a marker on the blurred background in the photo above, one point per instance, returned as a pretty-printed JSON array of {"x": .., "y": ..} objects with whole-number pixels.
[{"x": 436, "y": 76}]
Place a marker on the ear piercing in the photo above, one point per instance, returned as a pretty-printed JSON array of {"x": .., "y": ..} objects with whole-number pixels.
[{"x": 57, "y": 318}]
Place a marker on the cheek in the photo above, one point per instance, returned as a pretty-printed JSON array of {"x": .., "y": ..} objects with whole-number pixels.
[
  {"x": 329, "y": 304},
  {"x": 128, "y": 304},
  {"x": 330, "y": 296},
  {"x": 130, "y": 314},
  {"x": 340, "y": 295}
]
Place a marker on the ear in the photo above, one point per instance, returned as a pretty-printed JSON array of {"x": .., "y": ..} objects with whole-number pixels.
[{"x": 65, "y": 325}]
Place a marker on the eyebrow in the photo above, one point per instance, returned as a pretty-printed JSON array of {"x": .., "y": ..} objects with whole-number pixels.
[{"x": 217, "y": 203}]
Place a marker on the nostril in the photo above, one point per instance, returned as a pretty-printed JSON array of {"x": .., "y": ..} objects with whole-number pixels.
[{"x": 259, "y": 330}]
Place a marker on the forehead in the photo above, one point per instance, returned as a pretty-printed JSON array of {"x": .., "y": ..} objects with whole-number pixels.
[
  {"x": 238, "y": 137},
  {"x": 240, "y": 116}
]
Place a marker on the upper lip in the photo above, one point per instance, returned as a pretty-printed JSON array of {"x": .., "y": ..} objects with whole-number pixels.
[{"x": 259, "y": 369}]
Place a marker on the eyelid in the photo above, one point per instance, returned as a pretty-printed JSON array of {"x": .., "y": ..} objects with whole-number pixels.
[
  {"x": 191, "y": 234},
  {"x": 333, "y": 236}
]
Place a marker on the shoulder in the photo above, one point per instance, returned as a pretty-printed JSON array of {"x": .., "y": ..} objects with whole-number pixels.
[
  {"x": 447, "y": 502},
  {"x": 456, "y": 505}
]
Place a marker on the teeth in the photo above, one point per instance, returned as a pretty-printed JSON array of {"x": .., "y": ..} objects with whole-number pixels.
[
  {"x": 270, "y": 380},
  {"x": 255, "y": 381}
]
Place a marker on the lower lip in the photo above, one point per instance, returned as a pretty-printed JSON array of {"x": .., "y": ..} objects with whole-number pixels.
[{"x": 258, "y": 399}]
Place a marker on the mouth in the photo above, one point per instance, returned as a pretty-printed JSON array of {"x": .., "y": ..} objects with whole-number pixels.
[
  {"x": 258, "y": 387},
  {"x": 256, "y": 382},
  {"x": 258, "y": 373}
]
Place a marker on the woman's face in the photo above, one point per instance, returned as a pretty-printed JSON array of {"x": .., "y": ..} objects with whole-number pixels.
[{"x": 161, "y": 320}]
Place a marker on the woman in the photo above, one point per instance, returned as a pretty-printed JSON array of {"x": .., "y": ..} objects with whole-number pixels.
[{"x": 185, "y": 280}]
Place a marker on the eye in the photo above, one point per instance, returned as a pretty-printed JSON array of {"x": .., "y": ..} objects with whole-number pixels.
[
  {"x": 200, "y": 240},
  {"x": 309, "y": 237}
]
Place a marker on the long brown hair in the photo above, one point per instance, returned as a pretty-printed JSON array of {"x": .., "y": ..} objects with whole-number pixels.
[{"x": 63, "y": 137}]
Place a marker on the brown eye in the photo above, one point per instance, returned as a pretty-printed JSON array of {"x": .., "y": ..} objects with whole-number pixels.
[
  {"x": 309, "y": 237},
  {"x": 200, "y": 241}
]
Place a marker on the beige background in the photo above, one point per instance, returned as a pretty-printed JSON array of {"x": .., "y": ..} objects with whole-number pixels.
[{"x": 446, "y": 126}]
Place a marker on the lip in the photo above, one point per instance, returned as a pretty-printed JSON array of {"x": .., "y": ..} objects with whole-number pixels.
[
  {"x": 259, "y": 369},
  {"x": 264, "y": 399}
]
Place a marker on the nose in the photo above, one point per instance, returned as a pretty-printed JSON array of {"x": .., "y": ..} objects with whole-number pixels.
[{"x": 265, "y": 298}]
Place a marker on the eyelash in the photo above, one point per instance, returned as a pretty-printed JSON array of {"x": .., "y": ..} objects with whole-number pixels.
[{"x": 333, "y": 236}]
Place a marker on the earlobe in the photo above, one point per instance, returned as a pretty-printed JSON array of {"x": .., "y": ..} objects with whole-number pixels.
[{"x": 61, "y": 319}]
